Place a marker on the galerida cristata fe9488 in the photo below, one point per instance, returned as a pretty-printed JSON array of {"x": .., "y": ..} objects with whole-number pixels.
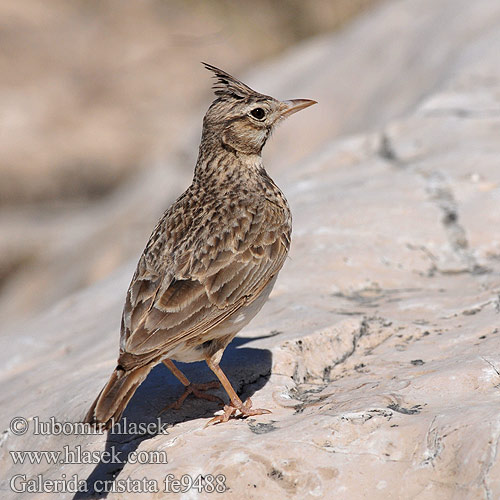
[{"x": 211, "y": 260}]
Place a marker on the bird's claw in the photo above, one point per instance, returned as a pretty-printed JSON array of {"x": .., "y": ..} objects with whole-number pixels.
[
  {"x": 245, "y": 410},
  {"x": 197, "y": 391}
]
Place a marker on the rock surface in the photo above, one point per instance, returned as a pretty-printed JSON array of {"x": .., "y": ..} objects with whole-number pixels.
[{"x": 378, "y": 349}]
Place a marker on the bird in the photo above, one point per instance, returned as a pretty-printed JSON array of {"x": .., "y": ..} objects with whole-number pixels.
[{"x": 212, "y": 259}]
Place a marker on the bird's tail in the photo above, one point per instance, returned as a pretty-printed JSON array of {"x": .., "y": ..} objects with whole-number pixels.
[{"x": 114, "y": 397}]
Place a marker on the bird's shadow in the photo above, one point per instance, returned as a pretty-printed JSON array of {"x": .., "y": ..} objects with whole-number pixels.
[{"x": 248, "y": 370}]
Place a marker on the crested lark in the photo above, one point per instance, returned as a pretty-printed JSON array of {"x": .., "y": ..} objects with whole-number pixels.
[{"x": 212, "y": 259}]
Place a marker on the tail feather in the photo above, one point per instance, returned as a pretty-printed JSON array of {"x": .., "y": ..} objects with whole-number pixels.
[{"x": 114, "y": 397}]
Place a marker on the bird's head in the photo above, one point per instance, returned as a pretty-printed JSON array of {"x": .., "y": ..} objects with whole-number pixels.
[{"x": 242, "y": 119}]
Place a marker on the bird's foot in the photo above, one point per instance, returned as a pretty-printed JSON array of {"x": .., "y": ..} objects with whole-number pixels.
[
  {"x": 245, "y": 410},
  {"x": 197, "y": 391}
]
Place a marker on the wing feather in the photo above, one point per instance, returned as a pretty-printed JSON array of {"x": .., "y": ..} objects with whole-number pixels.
[{"x": 205, "y": 287}]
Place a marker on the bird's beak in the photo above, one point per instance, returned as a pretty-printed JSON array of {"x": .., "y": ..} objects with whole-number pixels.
[{"x": 288, "y": 108}]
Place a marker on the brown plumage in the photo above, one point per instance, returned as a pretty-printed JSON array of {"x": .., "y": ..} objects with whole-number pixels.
[{"x": 213, "y": 257}]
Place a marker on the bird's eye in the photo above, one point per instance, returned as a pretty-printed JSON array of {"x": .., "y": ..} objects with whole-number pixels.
[{"x": 258, "y": 113}]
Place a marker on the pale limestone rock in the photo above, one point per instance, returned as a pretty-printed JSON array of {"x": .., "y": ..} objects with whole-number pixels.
[{"x": 378, "y": 352}]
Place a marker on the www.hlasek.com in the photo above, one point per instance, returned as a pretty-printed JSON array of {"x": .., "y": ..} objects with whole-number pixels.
[
  {"x": 79, "y": 455},
  {"x": 206, "y": 483}
]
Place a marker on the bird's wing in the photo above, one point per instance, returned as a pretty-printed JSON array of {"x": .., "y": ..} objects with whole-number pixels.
[{"x": 206, "y": 285}]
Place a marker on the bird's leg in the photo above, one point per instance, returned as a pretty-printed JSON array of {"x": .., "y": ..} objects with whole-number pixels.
[
  {"x": 245, "y": 408},
  {"x": 190, "y": 388}
]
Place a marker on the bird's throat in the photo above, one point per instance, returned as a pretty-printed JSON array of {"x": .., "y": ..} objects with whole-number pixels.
[{"x": 225, "y": 165}]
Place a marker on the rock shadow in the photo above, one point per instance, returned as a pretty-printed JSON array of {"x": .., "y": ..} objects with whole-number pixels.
[{"x": 248, "y": 370}]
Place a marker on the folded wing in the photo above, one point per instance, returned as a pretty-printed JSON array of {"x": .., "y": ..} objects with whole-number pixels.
[{"x": 201, "y": 287}]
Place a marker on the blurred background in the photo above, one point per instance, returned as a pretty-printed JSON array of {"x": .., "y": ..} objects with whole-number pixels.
[{"x": 101, "y": 107}]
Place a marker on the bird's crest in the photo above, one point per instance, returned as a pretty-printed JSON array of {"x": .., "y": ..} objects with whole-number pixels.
[{"x": 227, "y": 85}]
